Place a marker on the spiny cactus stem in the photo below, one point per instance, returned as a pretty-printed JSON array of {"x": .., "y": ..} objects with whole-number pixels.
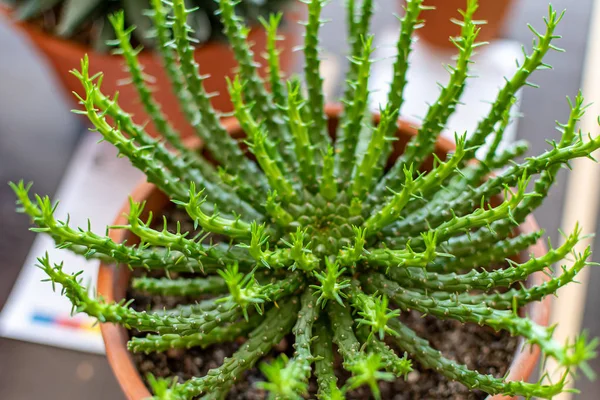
[
  {"x": 484, "y": 280},
  {"x": 367, "y": 171},
  {"x": 323, "y": 347},
  {"x": 525, "y": 295},
  {"x": 328, "y": 187},
  {"x": 439, "y": 112},
  {"x": 222, "y": 146},
  {"x": 319, "y": 134},
  {"x": 406, "y": 257},
  {"x": 504, "y": 99},
  {"x": 237, "y": 34},
  {"x": 126, "y": 316},
  {"x": 158, "y": 343},
  {"x": 471, "y": 257},
  {"x": 303, "y": 147},
  {"x": 428, "y": 357},
  {"x": 180, "y": 286},
  {"x": 343, "y": 335},
  {"x": 479, "y": 313},
  {"x": 140, "y": 81},
  {"x": 277, "y": 323},
  {"x": 345, "y": 147},
  {"x": 91, "y": 245},
  {"x": 399, "y": 366},
  {"x": 234, "y": 228}
]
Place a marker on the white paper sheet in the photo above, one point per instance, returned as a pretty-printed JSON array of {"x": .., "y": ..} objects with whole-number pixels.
[{"x": 94, "y": 186}]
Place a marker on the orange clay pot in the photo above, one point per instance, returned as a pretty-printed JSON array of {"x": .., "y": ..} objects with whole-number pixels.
[
  {"x": 439, "y": 28},
  {"x": 113, "y": 282},
  {"x": 215, "y": 59}
]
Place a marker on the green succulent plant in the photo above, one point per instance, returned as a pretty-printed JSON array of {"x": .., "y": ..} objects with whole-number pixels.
[
  {"x": 326, "y": 239},
  {"x": 72, "y": 17}
]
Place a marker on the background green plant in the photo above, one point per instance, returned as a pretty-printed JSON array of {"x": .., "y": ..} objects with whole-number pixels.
[
  {"x": 323, "y": 242},
  {"x": 73, "y": 17}
]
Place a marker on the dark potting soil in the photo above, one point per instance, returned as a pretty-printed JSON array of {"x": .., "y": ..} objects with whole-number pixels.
[{"x": 479, "y": 348}]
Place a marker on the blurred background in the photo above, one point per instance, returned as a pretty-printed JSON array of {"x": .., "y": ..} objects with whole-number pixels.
[{"x": 39, "y": 135}]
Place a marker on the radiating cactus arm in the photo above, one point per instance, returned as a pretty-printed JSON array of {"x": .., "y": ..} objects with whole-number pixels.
[
  {"x": 483, "y": 280},
  {"x": 482, "y": 216},
  {"x": 567, "y": 356},
  {"x": 288, "y": 379},
  {"x": 472, "y": 257},
  {"x": 492, "y": 151},
  {"x": 406, "y": 257},
  {"x": 277, "y": 323},
  {"x": 547, "y": 164},
  {"x": 343, "y": 334},
  {"x": 408, "y": 24},
  {"x": 568, "y": 136},
  {"x": 413, "y": 190},
  {"x": 373, "y": 311},
  {"x": 431, "y": 358},
  {"x": 274, "y": 290},
  {"x": 272, "y": 56},
  {"x": 345, "y": 145},
  {"x": 393, "y": 208},
  {"x": 504, "y": 99},
  {"x": 303, "y": 333},
  {"x": 328, "y": 186},
  {"x": 256, "y": 93},
  {"x": 366, "y": 172},
  {"x": 279, "y": 215},
  {"x": 358, "y": 28},
  {"x": 285, "y": 140},
  {"x": 141, "y": 157},
  {"x": 319, "y": 135},
  {"x": 438, "y": 113},
  {"x": 180, "y": 286},
  {"x": 302, "y": 145},
  {"x": 282, "y": 380},
  {"x": 470, "y": 175},
  {"x": 225, "y": 149},
  {"x": 276, "y": 177},
  {"x": 331, "y": 284},
  {"x": 175, "y": 241},
  {"x": 323, "y": 348},
  {"x": 192, "y": 113},
  {"x": 158, "y": 343},
  {"x": 234, "y": 228},
  {"x": 253, "y": 128},
  {"x": 525, "y": 295},
  {"x": 140, "y": 80},
  {"x": 91, "y": 245},
  {"x": 399, "y": 366},
  {"x": 126, "y": 316},
  {"x": 179, "y": 165}
]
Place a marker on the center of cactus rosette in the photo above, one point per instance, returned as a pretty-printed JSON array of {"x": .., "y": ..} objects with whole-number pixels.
[{"x": 318, "y": 235}]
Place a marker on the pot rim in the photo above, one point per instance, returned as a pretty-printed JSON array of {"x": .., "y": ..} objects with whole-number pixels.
[{"x": 115, "y": 337}]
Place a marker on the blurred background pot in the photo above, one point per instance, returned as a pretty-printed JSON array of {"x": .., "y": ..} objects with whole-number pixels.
[
  {"x": 215, "y": 58},
  {"x": 439, "y": 27}
]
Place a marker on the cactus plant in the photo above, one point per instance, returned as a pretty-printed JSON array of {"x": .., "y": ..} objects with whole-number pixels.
[
  {"x": 68, "y": 18},
  {"x": 319, "y": 237}
]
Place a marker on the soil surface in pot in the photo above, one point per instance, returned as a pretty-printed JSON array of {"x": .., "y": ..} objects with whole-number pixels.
[{"x": 480, "y": 348}]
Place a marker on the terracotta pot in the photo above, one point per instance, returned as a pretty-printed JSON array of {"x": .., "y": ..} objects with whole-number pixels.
[
  {"x": 439, "y": 28},
  {"x": 215, "y": 58},
  {"x": 113, "y": 282}
]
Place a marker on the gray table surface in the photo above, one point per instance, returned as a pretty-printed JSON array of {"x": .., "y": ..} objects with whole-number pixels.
[{"x": 37, "y": 137}]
